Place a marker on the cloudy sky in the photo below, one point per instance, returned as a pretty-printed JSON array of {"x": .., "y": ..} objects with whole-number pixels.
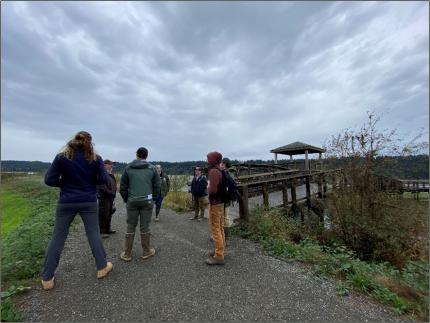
[{"x": 185, "y": 78}]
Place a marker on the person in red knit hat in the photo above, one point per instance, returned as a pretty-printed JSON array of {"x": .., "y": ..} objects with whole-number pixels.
[{"x": 216, "y": 210}]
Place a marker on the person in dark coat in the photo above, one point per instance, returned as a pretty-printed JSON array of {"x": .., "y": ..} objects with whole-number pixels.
[
  {"x": 200, "y": 194},
  {"x": 106, "y": 196},
  {"x": 76, "y": 171}
]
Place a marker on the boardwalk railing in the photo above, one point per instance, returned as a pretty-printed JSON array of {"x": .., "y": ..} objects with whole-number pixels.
[
  {"x": 264, "y": 183},
  {"x": 262, "y": 179}
]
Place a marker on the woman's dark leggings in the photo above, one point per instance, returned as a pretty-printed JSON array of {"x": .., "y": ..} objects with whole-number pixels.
[{"x": 65, "y": 214}]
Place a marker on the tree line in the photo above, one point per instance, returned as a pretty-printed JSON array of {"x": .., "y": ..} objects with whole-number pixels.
[{"x": 402, "y": 167}]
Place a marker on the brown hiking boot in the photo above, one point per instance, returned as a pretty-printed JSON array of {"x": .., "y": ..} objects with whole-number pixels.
[
  {"x": 214, "y": 261},
  {"x": 126, "y": 254},
  {"x": 147, "y": 251}
]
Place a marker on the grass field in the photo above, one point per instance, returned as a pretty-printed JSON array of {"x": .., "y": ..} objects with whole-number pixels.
[
  {"x": 28, "y": 216},
  {"x": 422, "y": 195},
  {"x": 15, "y": 210}
]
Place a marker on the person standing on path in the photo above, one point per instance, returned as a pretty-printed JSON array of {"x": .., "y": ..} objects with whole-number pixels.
[
  {"x": 76, "y": 171},
  {"x": 106, "y": 195},
  {"x": 216, "y": 209},
  {"x": 226, "y": 166},
  {"x": 140, "y": 185},
  {"x": 165, "y": 188},
  {"x": 200, "y": 195}
]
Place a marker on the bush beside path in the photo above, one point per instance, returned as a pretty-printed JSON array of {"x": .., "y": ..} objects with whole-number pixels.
[{"x": 176, "y": 284}]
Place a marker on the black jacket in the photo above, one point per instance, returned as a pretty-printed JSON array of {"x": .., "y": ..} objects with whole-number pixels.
[
  {"x": 199, "y": 186},
  {"x": 107, "y": 191}
]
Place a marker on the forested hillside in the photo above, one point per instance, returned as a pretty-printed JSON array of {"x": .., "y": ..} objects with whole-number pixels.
[{"x": 408, "y": 167}]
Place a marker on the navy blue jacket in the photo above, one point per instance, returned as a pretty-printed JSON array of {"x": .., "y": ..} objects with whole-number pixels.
[
  {"x": 77, "y": 178},
  {"x": 199, "y": 186}
]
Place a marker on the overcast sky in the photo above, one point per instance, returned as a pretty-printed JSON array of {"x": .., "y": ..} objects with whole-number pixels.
[{"x": 186, "y": 78}]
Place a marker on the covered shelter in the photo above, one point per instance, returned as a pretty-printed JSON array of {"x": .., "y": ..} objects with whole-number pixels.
[{"x": 298, "y": 148}]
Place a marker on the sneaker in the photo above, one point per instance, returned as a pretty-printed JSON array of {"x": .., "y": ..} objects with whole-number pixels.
[
  {"x": 105, "y": 236},
  {"x": 105, "y": 271},
  {"x": 48, "y": 284},
  {"x": 214, "y": 261},
  {"x": 157, "y": 219}
]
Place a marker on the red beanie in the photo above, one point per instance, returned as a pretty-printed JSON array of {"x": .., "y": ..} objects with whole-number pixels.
[{"x": 214, "y": 158}]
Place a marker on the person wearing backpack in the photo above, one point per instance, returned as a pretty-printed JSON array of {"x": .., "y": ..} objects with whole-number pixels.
[
  {"x": 76, "y": 171},
  {"x": 140, "y": 186},
  {"x": 232, "y": 196},
  {"x": 216, "y": 209}
]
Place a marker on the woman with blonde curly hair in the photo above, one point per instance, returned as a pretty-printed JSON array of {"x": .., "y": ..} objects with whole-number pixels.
[{"x": 76, "y": 171}]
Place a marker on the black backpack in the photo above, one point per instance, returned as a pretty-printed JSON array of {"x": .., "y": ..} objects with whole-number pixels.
[{"x": 229, "y": 193}]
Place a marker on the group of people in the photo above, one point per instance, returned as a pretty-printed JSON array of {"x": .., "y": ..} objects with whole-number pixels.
[{"x": 88, "y": 187}]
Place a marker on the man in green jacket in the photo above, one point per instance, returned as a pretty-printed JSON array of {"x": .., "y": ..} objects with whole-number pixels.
[{"x": 140, "y": 185}]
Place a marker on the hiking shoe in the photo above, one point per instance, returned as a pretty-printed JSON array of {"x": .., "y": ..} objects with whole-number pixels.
[
  {"x": 48, "y": 284},
  {"x": 157, "y": 219},
  {"x": 105, "y": 271},
  {"x": 214, "y": 261}
]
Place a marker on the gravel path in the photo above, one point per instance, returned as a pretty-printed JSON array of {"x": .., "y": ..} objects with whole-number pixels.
[{"x": 176, "y": 285}]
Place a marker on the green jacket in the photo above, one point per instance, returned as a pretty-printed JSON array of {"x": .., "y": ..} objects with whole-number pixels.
[
  {"x": 139, "y": 181},
  {"x": 165, "y": 184}
]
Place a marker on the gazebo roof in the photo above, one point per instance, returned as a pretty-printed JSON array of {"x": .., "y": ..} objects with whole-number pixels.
[{"x": 297, "y": 148}]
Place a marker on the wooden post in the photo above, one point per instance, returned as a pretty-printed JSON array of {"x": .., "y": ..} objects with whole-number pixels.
[
  {"x": 308, "y": 191},
  {"x": 306, "y": 160},
  {"x": 243, "y": 203},
  {"x": 293, "y": 192},
  {"x": 265, "y": 196},
  {"x": 276, "y": 158},
  {"x": 324, "y": 185},
  {"x": 320, "y": 186},
  {"x": 285, "y": 193}
]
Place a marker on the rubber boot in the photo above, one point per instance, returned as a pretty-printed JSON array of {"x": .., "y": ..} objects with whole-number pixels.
[
  {"x": 147, "y": 251},
  {"x": 126, "y": 254}
]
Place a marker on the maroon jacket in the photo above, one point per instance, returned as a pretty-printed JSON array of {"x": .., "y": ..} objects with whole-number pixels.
[{"x": 214, "y": 177}]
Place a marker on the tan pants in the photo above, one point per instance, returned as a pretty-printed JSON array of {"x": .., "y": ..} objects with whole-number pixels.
[
  {"x": 216, "y": 220},
  {"x": 200, "y": 204}
]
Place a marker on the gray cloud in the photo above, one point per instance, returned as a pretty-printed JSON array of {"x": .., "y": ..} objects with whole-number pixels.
[{"x": 185, "y": 78}]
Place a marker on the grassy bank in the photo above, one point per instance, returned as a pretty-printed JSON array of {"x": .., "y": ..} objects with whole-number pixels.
[
  {"x": 28, "y": 215},
  {"x": 405, "y": 290},
  {"x": 178, "y": 199}
]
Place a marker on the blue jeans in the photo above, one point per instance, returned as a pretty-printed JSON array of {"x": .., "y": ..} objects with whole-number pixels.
[
  {"x": 158, "y": 202},
  {"x": 65, "y": 214}
]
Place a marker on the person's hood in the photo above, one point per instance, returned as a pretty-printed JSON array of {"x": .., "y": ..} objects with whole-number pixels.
[
  {"x": 139, "y": 164},
  {"x": 214, "y": 158}
]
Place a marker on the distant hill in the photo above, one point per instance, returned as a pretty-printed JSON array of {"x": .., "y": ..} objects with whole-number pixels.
[{"x": 409, "y": 167}]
